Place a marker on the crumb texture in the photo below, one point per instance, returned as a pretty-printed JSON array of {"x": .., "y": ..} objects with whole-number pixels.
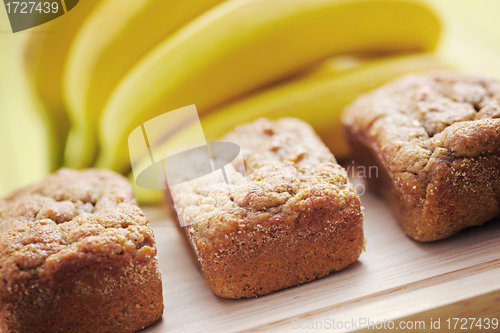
[
  {"x": 292, "y": 219},
  {"x": 436, "y": 139},
  {"x": 77, "y": 255}
]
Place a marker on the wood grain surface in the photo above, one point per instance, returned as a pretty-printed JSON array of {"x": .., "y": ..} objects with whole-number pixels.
[{"x": 395, "y": 279}]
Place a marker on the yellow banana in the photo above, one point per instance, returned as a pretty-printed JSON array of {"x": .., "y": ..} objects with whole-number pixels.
[
  {"x": 317, "y": 99},
  {"x": 24, "y": 143},
  {"x": 114, "y": 37},
  {"x": 45, "y": 54},
  {"x": 242, "y": 45}
]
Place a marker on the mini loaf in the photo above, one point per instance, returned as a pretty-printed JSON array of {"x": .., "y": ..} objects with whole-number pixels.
[
  {"x": 294, "y": 218},
  {"x": 77, "y": 255},
  {"x": 435, "y": 138}
]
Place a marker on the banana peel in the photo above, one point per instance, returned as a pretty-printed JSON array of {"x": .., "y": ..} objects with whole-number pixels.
[
  {"x": 317, "y": 99},
  {"x": 242, "y": 45}
]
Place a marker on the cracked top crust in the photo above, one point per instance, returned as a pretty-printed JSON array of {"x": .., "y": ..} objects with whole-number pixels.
[
  {"x": 436, "y": 137},
  {"x": 414, "y": 115},
  {"x": 70, "y": 214},
  {"x": 288, "y": 173}
]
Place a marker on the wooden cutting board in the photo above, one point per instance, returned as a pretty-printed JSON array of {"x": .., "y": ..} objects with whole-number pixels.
[{"x": 395, "y": 279}]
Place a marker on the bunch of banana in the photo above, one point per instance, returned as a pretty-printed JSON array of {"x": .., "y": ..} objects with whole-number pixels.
[
  {"x": 114, "y": 64},
  {"x": 318, "y": 98},
  {"x": 115, "y": 36},
  {"x": 242, "y": 45},
  {"x": 46, "y": 52}
]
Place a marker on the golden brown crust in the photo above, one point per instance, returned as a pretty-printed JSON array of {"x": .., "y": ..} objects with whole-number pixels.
[
  {"x": 77, "y": 255},
  {"x": 293, "y": 219},
  {"x": 436, "y": 141}
]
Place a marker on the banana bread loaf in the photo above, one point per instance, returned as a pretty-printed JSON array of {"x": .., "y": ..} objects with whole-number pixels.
[
  {"x": 294, "y": 218},
  {"x": 77, "y": 255},
  {"x": 435, "y": 138}
]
